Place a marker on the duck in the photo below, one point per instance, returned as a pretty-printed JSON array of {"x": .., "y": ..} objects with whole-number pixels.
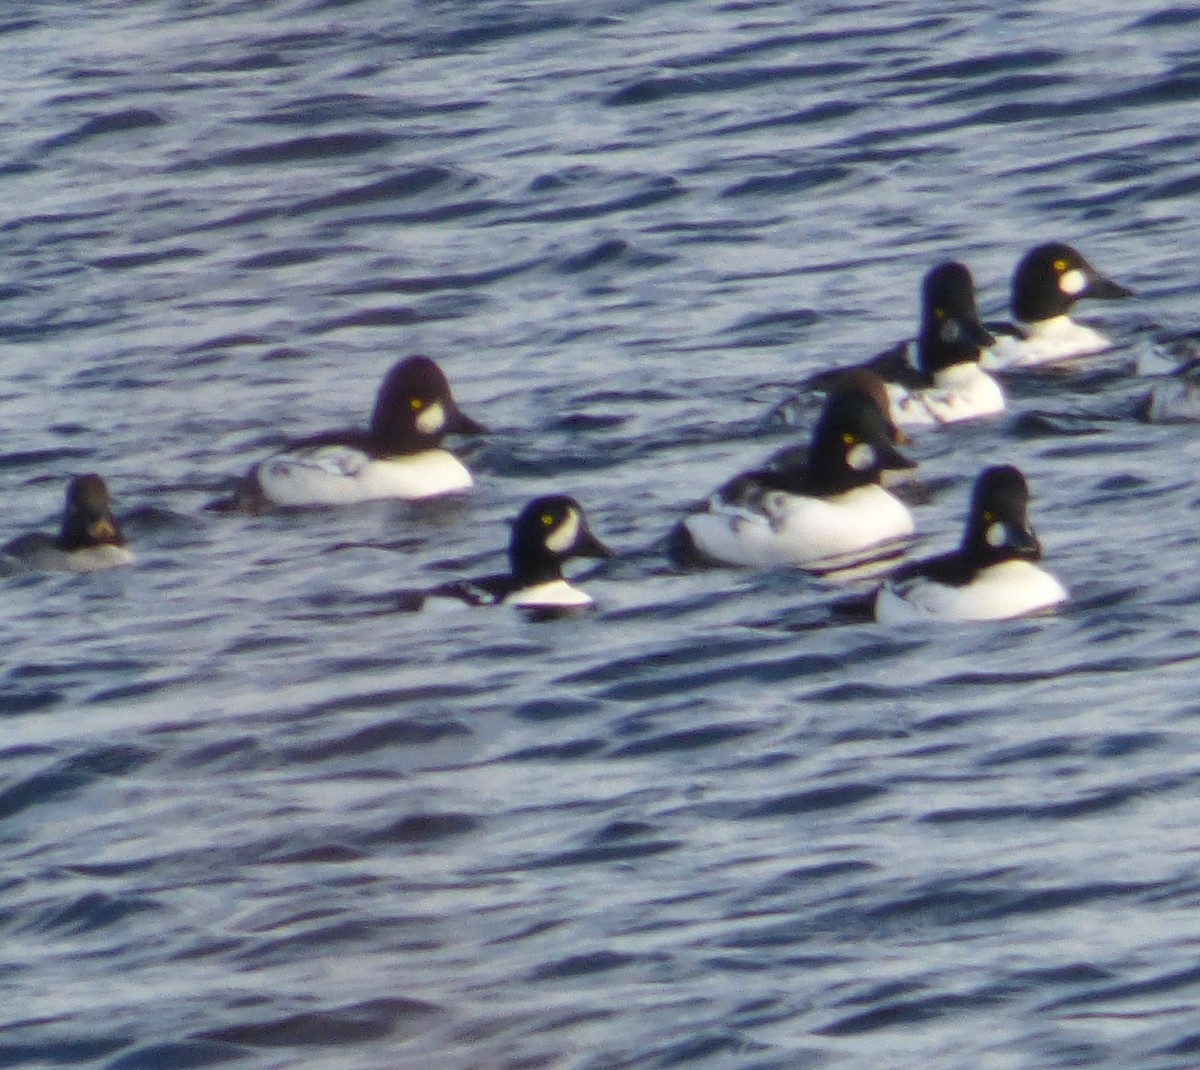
[
  {"x": 399, "y": 455},
  {"x": 822, "y": 514},
  {"x": 993, "y": 575},
  {"x": 1046, "y": 284},
  {"x": 547, "y": 531},
  {"x": 938, "y": 379},
  {"x": 89, "y": 539}
]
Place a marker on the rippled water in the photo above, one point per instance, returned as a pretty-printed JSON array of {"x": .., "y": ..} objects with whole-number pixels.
[{"x": 252, "y": 815}]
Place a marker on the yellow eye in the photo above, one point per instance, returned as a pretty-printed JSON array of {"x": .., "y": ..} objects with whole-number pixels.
[
  {"x": 988, "y": 516},
  {"x": 416, "y": 404},
  {"x": 849, "y": 439},
  {"x": 547, "y": 520},
  {"x": 940, "y": 313},
  {"x": 1060, "y": 265}
]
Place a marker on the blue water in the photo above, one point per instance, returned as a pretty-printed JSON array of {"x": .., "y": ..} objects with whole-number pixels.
[{"x": 253, "y": 816}]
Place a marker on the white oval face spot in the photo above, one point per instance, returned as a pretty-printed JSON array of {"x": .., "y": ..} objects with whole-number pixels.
[
  {"x": 996, "y": 535},
  {"x": 432, "y": 419},
  {"x": 950, "y": 331},
  {"x": 1072, "y": 282},
  {"x": 861, "y": 457},
  {"x": 563, "y": 537}
]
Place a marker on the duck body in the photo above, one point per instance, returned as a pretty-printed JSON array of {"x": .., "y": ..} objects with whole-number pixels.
[
  {"x": 826, "y": 510},
  {"x": 960, "y": 392},
  {"x": 993, "y": 575},
  {"x": 937, "y": 379},
  {"x": 1046, "y": 284},
  {"x": 398, "y": 456},
  {"x": 344, "y": 473},
  {"x": 776, "y": 527},
  {"x": 548, "y": 531},
  {"x": 89, "y": 540}
]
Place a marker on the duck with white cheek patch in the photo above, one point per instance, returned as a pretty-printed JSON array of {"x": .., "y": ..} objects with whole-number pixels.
[
  {"x": 547, "y": 532},
  {"x": 937, "y": 379},
  {"x": 826, "y": 513},
  {"x": 89, "y": 539},
  {"x": 993, "y": 575},
  {"x": 398, "y": 456},
  {"x": 1046, "y": 284}
]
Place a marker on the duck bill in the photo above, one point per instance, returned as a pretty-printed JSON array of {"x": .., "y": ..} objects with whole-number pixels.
[
  {"x": 461, "y": 424},
  {"x": 977, "y": 334},
  {"x": 103, "y": 530},
  {"x": 891, "y": 458},
  {"x": 587, "y": 545},
  {"x": 1024, "y": 543},
  {"x": 1106, "y": 289}
]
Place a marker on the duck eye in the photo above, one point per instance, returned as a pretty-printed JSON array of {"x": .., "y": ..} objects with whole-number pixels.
[
  {"x": 849, "y": 439},
  {"x": 547, "y": 520},
  {"x": 1060, "y": 265},
  {"x": 988, "y": 516},
  {"x": 416, "y": 404},
  {"x": 940, "y": 313}
]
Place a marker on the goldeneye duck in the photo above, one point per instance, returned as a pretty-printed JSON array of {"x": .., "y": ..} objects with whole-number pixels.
[
  {"x": 859, "y": 378},
  {"x": 937, "y": 379},
  {"x": 1175, "y": 398},
  {"x": 823, "y": 514},
  {"x": 89, "y": 539},
  {"x": 547, "y": 532},
  {"x": 397, "y": 456},
  {"x": 1045, "y": 286},
  {"x": 991, "y": 576}
]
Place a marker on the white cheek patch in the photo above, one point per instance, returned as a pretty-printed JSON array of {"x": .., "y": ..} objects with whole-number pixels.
[
  {"x": 996, "y": 535},
  {"x": 1072, "y": 282},
  {"x": 563, "y": 537},
  {"x": 861, "y": 457},
  {"x": 950, "y": 331},
  {"x": 431, "y": 420}
]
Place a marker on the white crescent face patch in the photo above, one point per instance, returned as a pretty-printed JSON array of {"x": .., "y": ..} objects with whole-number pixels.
[
  {"x": 432, "y": 419},
  {"x": 1072, "y": 282},
  {"x": 861, "y": 457},
  {"x": 563, "y": 537},
  {"x": 996, "y": 535},
  {"x": 950, "y": 331}
]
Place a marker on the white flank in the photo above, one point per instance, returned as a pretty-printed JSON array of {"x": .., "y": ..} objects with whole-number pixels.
[
  {"x": 961, "y": 392},
  {"x": 551, "y": 593},
  {"x": 1060, "y": 338},
  {"x": 340, "y": 475},
  {"x": 801, "y": 531},
  {"x": 1010, "y": 589}
]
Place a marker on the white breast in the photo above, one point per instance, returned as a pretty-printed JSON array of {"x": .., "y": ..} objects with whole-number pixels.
[
  {"x": 341, "y": 475},
  {"x": 44, "y": 556},
  {"x": 961, "y": 392},
  {"x": 551, "y": 593},
  {"x": 1060, "y": 338},
  {"x": 801, "y": 531},
  {"x": 1010, "y": 589}
]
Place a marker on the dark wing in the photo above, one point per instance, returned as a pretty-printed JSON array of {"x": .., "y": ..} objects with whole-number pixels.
[
  {"x": 896, "y": 365},
  {"x": 746, "y": 490},
  {"x": 1010, "y": 330},
  {"x": 950, "y": 569},
  {"x": 482, "y": 591}
]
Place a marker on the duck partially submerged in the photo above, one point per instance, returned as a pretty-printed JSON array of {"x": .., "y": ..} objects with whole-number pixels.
[{"x": 399, "y": 455}]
